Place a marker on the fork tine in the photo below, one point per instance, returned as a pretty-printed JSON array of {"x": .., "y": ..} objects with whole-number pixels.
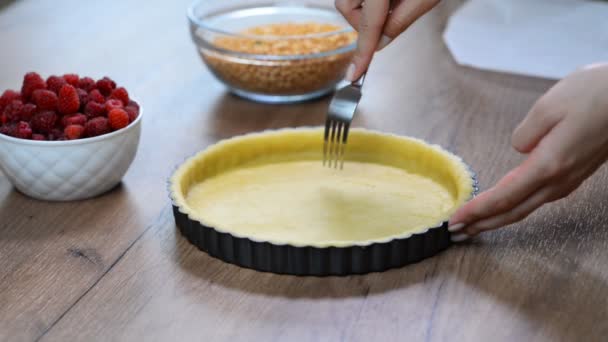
[
  {"x": 338, "y": 143},
  {"x": 341, "y": 112},
  {"x": 345, "y": 134},
  {"x": 343, "y": 145},
  {"x": 325, "y": 137},
  {"x": 332, "y": 142}
]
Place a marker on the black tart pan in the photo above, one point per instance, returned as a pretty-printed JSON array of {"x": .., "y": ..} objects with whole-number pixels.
[{"x": 311, "y": 260}]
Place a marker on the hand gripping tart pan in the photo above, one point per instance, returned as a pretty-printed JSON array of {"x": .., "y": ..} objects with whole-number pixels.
[{"x": 265, "y": 201}]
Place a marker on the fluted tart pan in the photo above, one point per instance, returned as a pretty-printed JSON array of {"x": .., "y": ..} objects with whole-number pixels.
[{"x": 264, "y": 201}]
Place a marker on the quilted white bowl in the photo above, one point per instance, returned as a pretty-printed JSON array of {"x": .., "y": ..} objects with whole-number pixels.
[{"x": 69, "y": 170}]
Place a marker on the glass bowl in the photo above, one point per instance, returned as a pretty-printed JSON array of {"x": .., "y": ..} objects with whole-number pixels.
[{"x": 273, "y": 51}]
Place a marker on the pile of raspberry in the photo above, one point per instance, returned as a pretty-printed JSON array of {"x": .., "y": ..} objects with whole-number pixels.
[{"x": 65, "y": 107}]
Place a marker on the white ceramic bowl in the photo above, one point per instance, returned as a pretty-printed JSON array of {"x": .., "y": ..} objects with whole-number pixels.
[{"x": 69, "y": 170}]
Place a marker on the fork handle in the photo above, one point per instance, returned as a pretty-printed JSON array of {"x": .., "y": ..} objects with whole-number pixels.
[{"x": 359, "y": 83}]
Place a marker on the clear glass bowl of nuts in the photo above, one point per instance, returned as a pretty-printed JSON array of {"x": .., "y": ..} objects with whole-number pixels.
[{"x": 273, "y": 51}]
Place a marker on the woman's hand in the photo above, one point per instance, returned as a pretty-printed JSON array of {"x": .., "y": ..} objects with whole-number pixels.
[
  {"x": 378, "y": 23},
  {"x": 566, "y": 137}
]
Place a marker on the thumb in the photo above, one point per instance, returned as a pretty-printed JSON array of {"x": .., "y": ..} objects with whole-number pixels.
[{"x": 371, "y": 23}]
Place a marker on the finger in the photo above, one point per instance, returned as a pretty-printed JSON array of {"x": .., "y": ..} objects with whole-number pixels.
[
  {"x": 351, "y": 10},
  {"x": 547, "y": 194},
  {"x": 549, "y": 165},
  {"x": 371, "y": 23},
  {"x": 405, "y": 14},
  {"x": 540, "y": 120},
  {"x": 511, "y": 190},
  {"x": 572, "y": 179},
  {"x": 518, "y": 213}
]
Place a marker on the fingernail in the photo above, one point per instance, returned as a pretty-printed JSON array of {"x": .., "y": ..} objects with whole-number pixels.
[
  {"x": 350, "y": 73},
  {"x": 459, "y": 237},
  {"x": 384, "y": 41},
  {"x": 456, "y": 227}
]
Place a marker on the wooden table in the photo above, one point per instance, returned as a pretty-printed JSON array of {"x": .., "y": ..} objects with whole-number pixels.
[{"x": 115, "y": 267}]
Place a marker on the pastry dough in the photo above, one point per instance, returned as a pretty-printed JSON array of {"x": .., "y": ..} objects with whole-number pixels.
[{"x": 273, "y": 187}]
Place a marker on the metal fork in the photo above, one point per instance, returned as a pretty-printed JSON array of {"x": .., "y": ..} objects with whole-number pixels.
[{"x": 339, "y": 117}]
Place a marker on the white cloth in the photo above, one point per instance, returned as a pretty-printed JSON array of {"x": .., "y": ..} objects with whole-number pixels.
[{"x": 543, "y": 38}]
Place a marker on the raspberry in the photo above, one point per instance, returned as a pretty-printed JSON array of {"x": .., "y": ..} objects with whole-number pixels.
[
  {"x": 44, "y": 122},
  {"x": 94, "y": 109},
  {"x": 73, "y": 132},
  {"x": 106, "y": 85},
  {"x": 74, "y": 119},
  {"x": 72, "y": 79},
  {"x": 13, "y": 111},
  {"x": 55, "y": 83},
  {"x": 31, "y": 82},
  {"x": 45, "y": 99},
  {"x": 133, "y": 112},
  {"x": 97, "y": 126},
  {"x": 133, "y": 104},
  {"x": 69, "y": 102},
  {"x": 24, "y": 131},
  {"x": 96, "y": 96},
  {"x": 27, "y": 112},
  {"x": 56, "y": 134},
  {"x": 118, "y": 119},
  {"x": 113, "y": 104},
  {"x": 83, "y": 96},
  {"x": 7, "y": 97},
  {"x": 121, "y": 94},
  {"x": 37, "y": 136},
  {"x": 9, "y": 129},
  {"x": 3, "y": 119},
  {"x": 86, "y": 83}
]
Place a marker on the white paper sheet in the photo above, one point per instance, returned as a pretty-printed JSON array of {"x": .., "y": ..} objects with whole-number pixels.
[{"x": 544, "y": 38}]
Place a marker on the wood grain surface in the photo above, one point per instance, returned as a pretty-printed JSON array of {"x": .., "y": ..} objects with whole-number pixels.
[{"x": 115, "y": 267}]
